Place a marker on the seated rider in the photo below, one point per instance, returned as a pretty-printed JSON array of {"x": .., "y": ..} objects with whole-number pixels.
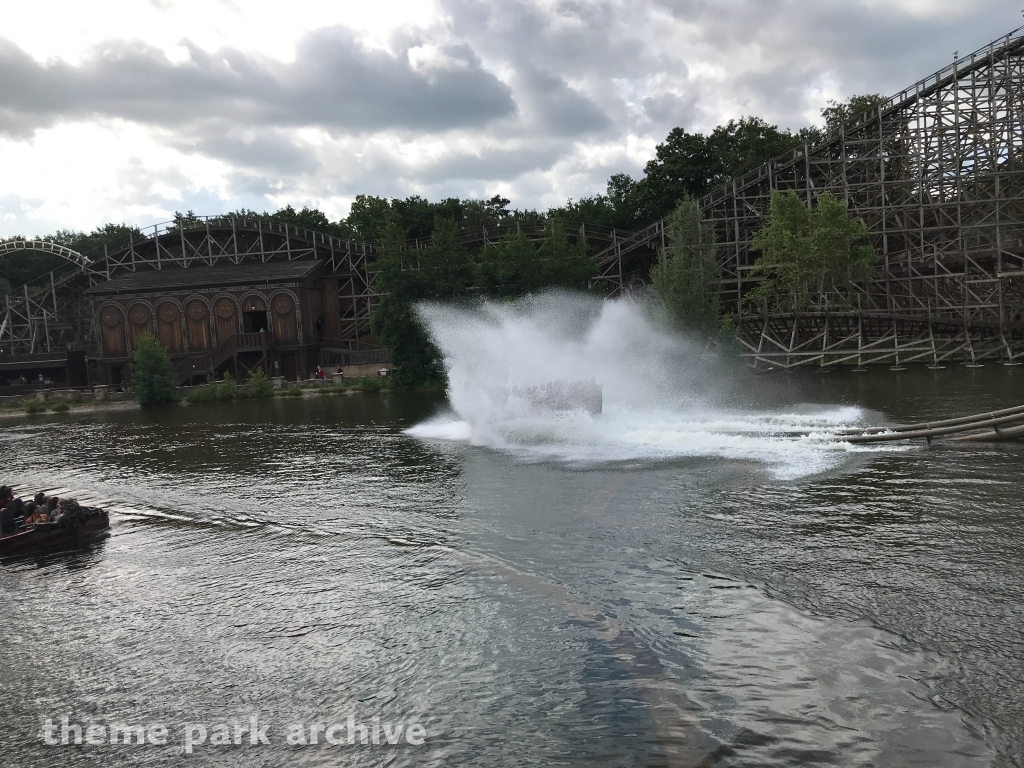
[
  {"x": 35, "y": 514},
  {"x": 8, "y": 523}
]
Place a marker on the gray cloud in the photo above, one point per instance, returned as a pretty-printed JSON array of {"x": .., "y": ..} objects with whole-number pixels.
[
  {"x": 333, "y": 83},
  {"x": 544, "y": 100},
  {"x": 599, "y": 39},
  {"x": 495, "y": 166},
  {"x": 670, "y": 109},
  {"x": 268, "y": 150},
  {"x": 878, "y": 49},
  {"x": 557, "y": 108}
]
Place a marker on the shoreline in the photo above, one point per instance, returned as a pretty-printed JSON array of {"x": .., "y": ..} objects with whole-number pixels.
[
  {"x": 116, "y": 405},
  {"x": 133, "y": 405}
]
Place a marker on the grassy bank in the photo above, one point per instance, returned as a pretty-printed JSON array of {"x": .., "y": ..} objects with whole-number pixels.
[
  {"x": 31, "y": 404},
  {"x": 257, "y": 386},
  {"x": 74, "y": 402}
]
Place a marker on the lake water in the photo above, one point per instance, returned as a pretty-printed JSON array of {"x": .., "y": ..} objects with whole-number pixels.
[{"x": 629, "y": 598}]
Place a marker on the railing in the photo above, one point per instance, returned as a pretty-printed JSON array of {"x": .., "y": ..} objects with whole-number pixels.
[
  {"x": 495, "y": 232},
  {"x": 354, "y": 357},
  {"x": 247, "y": 342},
  {"x": 631, "y": 242},
  {"x": 240, "y": 342},
  {"x": 38, "y": 357}
]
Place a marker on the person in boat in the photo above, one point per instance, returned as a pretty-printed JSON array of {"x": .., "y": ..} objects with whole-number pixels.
[
  {"x": 35, "y": 514},
  {"x": 8, "y": 519},
  {"x": 50, "y": 507}
]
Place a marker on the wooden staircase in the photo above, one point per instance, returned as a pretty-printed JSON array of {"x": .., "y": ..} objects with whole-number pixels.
[{"x": 249, "y": 351}]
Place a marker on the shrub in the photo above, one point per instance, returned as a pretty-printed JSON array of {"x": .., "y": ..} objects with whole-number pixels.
[
  {"x": 256, "y": 386},
  {"x": 60, "y": 407},
  {"x": 204, "y": 394},
  {"x": 290, "y": 391},
  {"x": 369, "y": 384},
  {"x": 32, "y": 406},
  {"x": 152, "y": 374},
  {"x": 362, "y": 384}
]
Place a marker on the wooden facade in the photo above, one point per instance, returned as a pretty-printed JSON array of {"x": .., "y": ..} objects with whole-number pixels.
[{"x": 212, "y": 320}]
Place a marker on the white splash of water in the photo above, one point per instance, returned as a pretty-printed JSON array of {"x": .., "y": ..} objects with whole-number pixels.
[{"x": 664, "y": 396}]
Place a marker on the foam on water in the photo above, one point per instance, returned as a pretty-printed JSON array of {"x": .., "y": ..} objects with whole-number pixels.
[{"x": 664, "y": 396}]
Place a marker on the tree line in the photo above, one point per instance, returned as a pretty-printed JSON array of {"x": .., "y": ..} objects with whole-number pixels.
[
  {"x": 685, "y": 167},
  {"x": 685, "y": 164}
]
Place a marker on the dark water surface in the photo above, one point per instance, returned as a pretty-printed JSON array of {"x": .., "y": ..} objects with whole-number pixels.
[{"x": 304, "y": 560}]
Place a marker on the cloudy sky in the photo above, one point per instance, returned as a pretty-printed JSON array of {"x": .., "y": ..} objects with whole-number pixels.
[{"x": 127, "y": 110}]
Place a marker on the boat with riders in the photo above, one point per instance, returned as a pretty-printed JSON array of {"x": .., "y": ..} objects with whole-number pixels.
[{"x": 46, "y": 523}]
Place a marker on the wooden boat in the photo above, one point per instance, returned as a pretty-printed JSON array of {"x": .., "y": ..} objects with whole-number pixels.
[
  {"x": 93, "y": 522},
  {"x": 584, "y": 396}
]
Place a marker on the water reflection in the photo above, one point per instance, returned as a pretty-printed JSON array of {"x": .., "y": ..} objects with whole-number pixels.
[{"x": 66, "y": 558}]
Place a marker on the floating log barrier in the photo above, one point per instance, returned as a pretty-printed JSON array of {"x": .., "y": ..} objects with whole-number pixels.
[
  {"x": 982, "y": 427},
  {"x": 934, "y": 424},
  {"x": 995, "y": 436}
]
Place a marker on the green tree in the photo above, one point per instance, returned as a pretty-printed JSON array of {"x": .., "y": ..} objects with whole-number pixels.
[
  {"x": 564, "y": 264},
  {"x": 806, "y": 253},
  {"x": 485, "y": 213},
  {"x": 416, "y": 215},
  {"x": 446, "y": 270},
  {"x": 693, "y": 164},
  {"x": 517, "y": 266},
  {"x": 152, "y": 374},
  {"x": 687, "y": 278},
  {"x": 508, "y": 268},
  {"x": 840, "y": 113},
  {"x": 368, "y": 216},
  {"x": 310, "y": 218},
  {"x": 442, "y": 271}
]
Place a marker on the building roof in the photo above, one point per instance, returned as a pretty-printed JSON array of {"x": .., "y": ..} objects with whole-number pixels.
[{"x": 246, "y": 273}]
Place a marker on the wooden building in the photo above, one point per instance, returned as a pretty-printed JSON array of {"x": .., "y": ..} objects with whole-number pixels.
[{"x": 275, "y": 315}]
